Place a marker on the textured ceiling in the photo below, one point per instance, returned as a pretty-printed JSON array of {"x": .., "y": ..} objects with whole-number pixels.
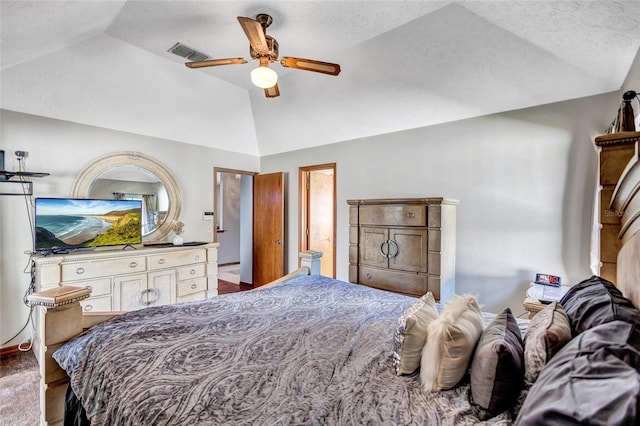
[{"x": 404, "y": 65}]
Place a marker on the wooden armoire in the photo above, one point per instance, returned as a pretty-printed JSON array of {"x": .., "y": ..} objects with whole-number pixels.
[{"x": 404, "y": 245}]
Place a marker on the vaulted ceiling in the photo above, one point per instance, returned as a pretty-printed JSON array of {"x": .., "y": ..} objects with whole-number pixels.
[{"x": 405, "y": 64}]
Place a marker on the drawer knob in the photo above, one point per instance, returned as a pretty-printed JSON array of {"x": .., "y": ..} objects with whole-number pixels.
[
  {"x": 89, "y": 288},
  {"x": 193, "y": 271},
  {"x": 161, "y": 261},
  {"x": 193, "y": 286},
  {"x": 368, "y": 276},
  {"x": 411, "y": 215},
  {"x": 133, "y": 264},
  {"x": 80, "y": 271},
  {"x": 197, "y": 257},
  {"x": 88, "y": 308}
]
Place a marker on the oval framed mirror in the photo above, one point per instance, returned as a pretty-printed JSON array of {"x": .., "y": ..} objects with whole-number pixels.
[{"x": 132, "y": 175}]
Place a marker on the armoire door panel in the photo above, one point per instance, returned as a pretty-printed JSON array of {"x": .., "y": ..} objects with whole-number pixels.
[
  {"x": 372, "y": 241},
  {"x": 411, "y": 246}
]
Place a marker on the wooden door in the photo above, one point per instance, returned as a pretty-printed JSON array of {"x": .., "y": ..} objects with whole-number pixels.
[{"x": 268, "y": 228}]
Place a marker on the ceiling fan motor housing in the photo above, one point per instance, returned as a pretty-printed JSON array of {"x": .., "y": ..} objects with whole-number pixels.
[{"x": 272, "y": 43}]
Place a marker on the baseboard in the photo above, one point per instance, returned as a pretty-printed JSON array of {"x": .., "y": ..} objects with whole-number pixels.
[{"x": 9, "y": 350}]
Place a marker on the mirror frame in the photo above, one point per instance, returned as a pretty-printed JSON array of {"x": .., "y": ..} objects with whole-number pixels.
[{"x": 91, "y": 172}]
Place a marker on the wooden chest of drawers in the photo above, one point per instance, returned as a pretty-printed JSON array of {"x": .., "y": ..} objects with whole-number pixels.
[{"x": 403, "y": 245}]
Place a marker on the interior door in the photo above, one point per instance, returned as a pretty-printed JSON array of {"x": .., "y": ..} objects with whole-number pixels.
[{"x": 268, "y": 228}]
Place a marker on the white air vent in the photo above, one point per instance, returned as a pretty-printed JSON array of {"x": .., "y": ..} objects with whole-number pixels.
[{"x": 187, "y": 52}]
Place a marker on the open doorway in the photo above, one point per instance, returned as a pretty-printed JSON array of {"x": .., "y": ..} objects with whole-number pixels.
[
  {"x": 233, "y": 224},
  {"x": 249, "y": 225},
  {"x": 317, "y": 213}
]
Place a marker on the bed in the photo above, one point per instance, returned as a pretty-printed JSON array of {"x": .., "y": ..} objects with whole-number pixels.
[{"x": 312, "y": 350}]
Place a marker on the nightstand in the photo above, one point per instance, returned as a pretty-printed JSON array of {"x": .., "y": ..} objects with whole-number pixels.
[{"x": 533, "y": 306}]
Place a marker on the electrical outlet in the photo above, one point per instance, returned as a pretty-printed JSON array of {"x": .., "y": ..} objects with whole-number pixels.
[{"x": 208, "y": 228}]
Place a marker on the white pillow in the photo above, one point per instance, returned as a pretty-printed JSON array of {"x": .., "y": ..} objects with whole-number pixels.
[
  {"x": 410, "y": 334},
  {"x": 452, "y": 340}
]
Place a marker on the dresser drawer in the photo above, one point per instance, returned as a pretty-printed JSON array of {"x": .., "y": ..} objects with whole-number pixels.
[
  {"x": 192, "y": 297},
  {"x": 99, "y": 287},
  {"x": 191, "y": 271},
  {"x": 178, "y": 258},
  {"x": 74, "y": 271},
  {"x": 192, "y": 286},
  {"x": 399, "y": 282},
  {"x": 97, "y": 304},
  {"x": 400, "y": 215}
]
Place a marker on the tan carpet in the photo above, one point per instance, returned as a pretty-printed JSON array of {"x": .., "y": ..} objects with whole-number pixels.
[{"x": 19, "y": 383}]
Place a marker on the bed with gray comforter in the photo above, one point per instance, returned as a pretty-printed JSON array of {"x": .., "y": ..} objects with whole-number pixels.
[{"x": 309, "y": 351}]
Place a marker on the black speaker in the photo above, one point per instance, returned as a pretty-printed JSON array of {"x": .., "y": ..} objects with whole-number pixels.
[{"x": 2, "y": 177}]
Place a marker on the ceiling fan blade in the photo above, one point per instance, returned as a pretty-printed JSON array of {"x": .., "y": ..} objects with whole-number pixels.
[
  {"x": 215, "y": 62},
  {"x": 255, "y": 33},
  {"x": 272, "y": 92},
  {"x": 311, "y": 65}
]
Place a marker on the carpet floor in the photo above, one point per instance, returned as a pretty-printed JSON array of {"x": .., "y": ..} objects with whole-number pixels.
[{"x": 19, "y": 382}]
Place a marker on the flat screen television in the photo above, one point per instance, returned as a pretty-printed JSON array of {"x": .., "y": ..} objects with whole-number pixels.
[{"x": 63, "y": 224}]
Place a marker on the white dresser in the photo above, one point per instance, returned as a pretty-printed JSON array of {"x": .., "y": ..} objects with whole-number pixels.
[
  {"x": 120, "y": 280},
  {"x": 125, "y": 280}
]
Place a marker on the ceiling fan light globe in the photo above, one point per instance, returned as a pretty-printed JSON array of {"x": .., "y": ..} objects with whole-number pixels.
[{"x": 264, "y": 77}]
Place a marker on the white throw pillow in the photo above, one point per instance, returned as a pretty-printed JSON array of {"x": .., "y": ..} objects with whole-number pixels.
[{"x": 452, "y": 338}]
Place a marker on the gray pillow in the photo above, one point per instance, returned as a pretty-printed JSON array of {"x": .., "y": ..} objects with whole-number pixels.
[
  {"x": 410, "y": 334},
  {"x": 547, "y": 333},
  {"x": 596, "y": 301},
  {"x": 593, "y": 379},
  {"x": 452, "y": 337},
  {"x": 497, "y": 367}
]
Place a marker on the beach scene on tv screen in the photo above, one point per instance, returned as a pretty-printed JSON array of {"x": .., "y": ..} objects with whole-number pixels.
[{"x": 64, "y": 223}]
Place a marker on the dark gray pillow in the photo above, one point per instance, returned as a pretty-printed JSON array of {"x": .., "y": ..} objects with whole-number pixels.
[
  {"x": 497, "y": 367},
  {"x": 547, "y": 333},
  {"x": 594, "y": 379},
  {"x": 597, "y": 301}
]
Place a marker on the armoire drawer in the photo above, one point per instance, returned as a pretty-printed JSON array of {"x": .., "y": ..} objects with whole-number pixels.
[
  {"x": 389, "y": 215},
  {"x": 177, "y": 258},
  {"x": 75, "y": 271},
  {"x": 190, "y": 271},
  {"x": 397, "y": 281}
]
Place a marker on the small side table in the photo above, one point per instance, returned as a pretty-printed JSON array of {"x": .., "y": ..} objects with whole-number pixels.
[{"x": 533, "y": 306}]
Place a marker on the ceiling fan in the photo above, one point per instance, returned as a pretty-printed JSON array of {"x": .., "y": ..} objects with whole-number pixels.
[{"x": 264, "y": 48}]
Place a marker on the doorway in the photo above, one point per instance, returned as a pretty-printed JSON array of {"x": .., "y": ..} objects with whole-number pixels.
[
  {"x": 249, "y": 225},
  {"x": 317, "y": 213},
  {"x": 233, "y": 224}
]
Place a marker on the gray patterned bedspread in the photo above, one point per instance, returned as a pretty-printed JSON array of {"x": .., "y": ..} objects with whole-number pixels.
[{"x": 311, "y": 351}]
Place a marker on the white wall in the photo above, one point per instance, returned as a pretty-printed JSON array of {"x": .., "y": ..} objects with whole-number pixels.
[
  {"x": 62, "y": 149},
  {"x": 525, "y": 181}
]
